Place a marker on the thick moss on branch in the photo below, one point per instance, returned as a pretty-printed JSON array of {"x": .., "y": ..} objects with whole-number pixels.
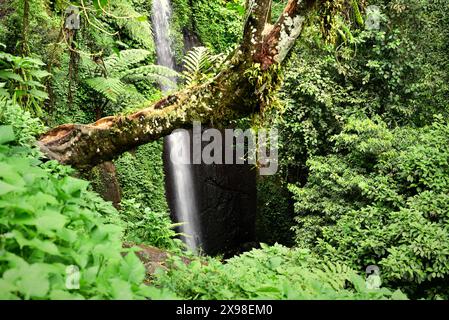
[{"x": 230, "y": 95}]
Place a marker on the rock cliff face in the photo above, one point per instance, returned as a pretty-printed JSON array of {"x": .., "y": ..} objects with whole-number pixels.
[{"x": 226, "y": 197}]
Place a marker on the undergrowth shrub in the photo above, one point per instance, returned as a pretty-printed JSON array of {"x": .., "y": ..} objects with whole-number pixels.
[
  {"x": 51, "y": 224},
  {"x": 145, "y": 226},
  {"x": 141, "y": 176},
  {"x": 273, "y": 272},
  {"x": 25, "y": 126},
  {"x": 275, "y": 214},
  {"x": 218, "y": 23},
  {"x": 381, "y": 198}
]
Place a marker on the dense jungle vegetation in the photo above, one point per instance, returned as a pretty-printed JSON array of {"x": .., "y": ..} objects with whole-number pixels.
[{"x": 363, "y": 180}]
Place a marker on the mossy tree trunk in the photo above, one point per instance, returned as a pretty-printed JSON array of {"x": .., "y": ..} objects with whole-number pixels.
[
  {"x": 232, "y": 94},
  {"x": 106, "y": 183}
]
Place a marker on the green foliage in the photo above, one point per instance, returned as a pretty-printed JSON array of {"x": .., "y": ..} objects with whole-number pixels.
[
  {"x": 123, "y": 70},
  {"x": 270, "y": 273},
  {"x": 124, "y": 60},
  {"x": 381, "y": 199},
  {"x": 141, "y": 176},
  {"x": 366, "y": 191},
  {"x": 136, "y": 24},
  {"x": 274, "y": 212},
  {"x": 336, "y": 18},
  {"x": 200, "y": 65},
  {"x": 25, "y": 126},
  {"x": 277, "y": 7},
  {"x": 181, "y": 25},
  {"x": 111, "y": 88},
  {"x": 23, "y": 77},
  {"x": 144, "y": 226},
  {"x": 143, "y": 207},
  {"x": 50, "y": 224},
  {"x": 105, "y": 30},
  {"x": 219, "y": 25},
  {"x": 81, "y": 108},
  {"x": 394, "y": 72},
  {"x": 42, "y": 26},
  {"x": 182, "y": 13}
]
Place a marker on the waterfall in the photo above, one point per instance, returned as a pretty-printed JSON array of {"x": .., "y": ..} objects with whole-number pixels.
[
  {"x": 161, "y": 13},
  {"x": 184, "y": 199}
]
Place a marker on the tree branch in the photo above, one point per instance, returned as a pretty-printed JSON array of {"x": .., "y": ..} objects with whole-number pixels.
[
  {"x": 280, "y": 38},
  {"x": 230, "y": 95},
  {"x": 223, "y": 98}
]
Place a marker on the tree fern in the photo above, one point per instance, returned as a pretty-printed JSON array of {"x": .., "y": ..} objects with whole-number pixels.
[
  {"x": 152, "y": 69},
  {"x": 250, "y": 4},
  {"x": 124, "y": 60},
  {"x": 200, "y": 64},
  {"x": 136, "y": 24},
  {"x": 3, "y": 91},
  {"x": 124, "y": 70},
  {"x": 111, "y": 88},
  {"x": 153, "y": 73}
]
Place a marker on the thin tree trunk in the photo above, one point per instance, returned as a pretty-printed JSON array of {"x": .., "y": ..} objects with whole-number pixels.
[{"x": 25, "y": 28}]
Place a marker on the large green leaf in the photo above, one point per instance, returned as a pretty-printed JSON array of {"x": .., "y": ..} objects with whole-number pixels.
[
  {"x": 6, "y": 134},
  {"x": 34, "y": 281},
  {"x": 42, "y": 245},
  {"x": 6, "y": 288},
  {"x": 39, "y": 94},
  {"x": 49, "y": 220},
  {"x": 9, "y": 75},
  {"x": 6, "y": 188},
  {"x": 121, "y": 290},
  {"x": 132, "y": 269}
]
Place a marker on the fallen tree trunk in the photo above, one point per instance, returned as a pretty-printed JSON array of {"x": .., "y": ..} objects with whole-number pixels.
[{"x": 232, "y": 94}]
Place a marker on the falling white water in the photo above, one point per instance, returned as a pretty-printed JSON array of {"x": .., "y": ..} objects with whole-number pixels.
[
  {"x": 183, "y": 189},
  {"x": 184, "y": 199}
]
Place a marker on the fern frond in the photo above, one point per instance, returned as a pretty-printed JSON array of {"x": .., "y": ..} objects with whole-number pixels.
[
  {"x": 116, "y": 64},
  {"x": 152, "y": 73},
  {"x": 136, "y": 25},
  {"x": 153, "y": 78},
  {"x": 198, "y": 60},
  {"x": 152, "y": 69},
  {"x": 199, "y": 64},
  {"x": 111, "y": 88},
  {"x": 121, "y": 72},
  {"x": 336, "y": 273}
]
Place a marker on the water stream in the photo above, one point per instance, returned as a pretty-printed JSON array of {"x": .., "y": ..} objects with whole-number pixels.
[{"x": 184, "y": 198}]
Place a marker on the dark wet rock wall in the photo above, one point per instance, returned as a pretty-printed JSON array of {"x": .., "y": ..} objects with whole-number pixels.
[{"x": 226, "y": 197}]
